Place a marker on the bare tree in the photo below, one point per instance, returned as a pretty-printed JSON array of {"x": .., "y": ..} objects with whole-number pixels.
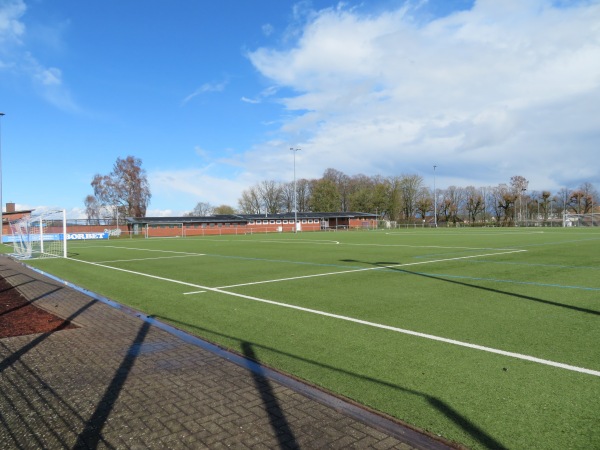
[
  {"x": 591, "y": 195},
  {"x": 287, "y": 196},
  {"x": 453, "y": 202},
  {"x": 125, "y": 188},
  {"x": 202, "y": 209},
  {"x": 585, "y": 198},
  {"x": 424, "y": 203},
  {"x": 410, "y": 185},
  {"x": 92, "y": 207},
  {"x": 393, "y": 207},
  {"x": 303, "y": 194},
  {"x": 474, "y": 203},
  {"x": 271, "y": 194},
  {"x": 250, "y": 202}
]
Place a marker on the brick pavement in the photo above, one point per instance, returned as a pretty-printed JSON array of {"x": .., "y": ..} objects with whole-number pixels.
[{"x": 120, "y": 382}]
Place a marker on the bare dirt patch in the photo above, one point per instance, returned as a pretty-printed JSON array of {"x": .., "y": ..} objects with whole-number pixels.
[{"x": 19, "y": 317}]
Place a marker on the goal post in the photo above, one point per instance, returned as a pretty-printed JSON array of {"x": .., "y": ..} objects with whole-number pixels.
[
  {"x": 42, "y": 235},
  {"x": 581, "y": 220}
]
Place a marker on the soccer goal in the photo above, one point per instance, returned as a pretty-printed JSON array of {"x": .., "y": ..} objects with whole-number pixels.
[
  {"x": 40, "y": 236},
  {"x": 581, "y": 220}
]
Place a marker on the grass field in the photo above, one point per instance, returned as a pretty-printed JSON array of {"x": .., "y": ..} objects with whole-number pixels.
[{"x": 487, "y": 337}]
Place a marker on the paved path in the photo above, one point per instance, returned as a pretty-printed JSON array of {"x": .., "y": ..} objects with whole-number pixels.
[{"x": 121, "y": 382}]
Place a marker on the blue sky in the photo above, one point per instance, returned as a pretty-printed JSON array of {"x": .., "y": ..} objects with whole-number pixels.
[{"x": 211, "y": 95}]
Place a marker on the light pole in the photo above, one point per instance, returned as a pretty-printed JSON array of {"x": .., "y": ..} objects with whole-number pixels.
[
  {"x": 295, "y": 191},
  {"x": 521, "y": 205},
  {"x": 1, "y": 219},
  {"x": 434, "y": 200}
]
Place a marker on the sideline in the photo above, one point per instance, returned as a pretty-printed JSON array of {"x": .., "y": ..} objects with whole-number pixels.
[
  {"x": 362, "y": 322},
  {"x": 404, "y": 432}
]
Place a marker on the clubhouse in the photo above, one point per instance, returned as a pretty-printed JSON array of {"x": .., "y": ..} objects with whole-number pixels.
[{"x": 249, "y": 223}]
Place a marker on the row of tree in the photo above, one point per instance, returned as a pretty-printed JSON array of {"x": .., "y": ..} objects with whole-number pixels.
[
  {"x": 125, "y": 192},
  {"x": 406, "y": 198}
]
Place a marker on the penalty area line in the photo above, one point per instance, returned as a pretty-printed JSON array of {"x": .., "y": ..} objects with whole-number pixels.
[
  {"x": 365, "y": 269},
  {"x": 432, "y": 337}
]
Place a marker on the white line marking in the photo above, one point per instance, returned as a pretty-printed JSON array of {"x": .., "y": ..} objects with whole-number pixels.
[
  {"x": 367, "y": 268},
  {"x": 364, "y": 322},
  {"x": 460, "y": 234},
  {"x": 446, "y": 247},
  {"x": 194, "y": 292},
  {"x": 297, "y": 241},
  {"x": 148, "y": 250},
  {"x": 149, "y": 259}
]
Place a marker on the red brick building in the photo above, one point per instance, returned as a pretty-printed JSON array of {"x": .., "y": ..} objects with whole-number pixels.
[
  {"x": 10, "y": 215},
  {"x": 248, "y": 223}
]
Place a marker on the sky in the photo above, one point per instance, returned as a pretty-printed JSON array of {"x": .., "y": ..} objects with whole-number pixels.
[{"x": 212, "y": 95}]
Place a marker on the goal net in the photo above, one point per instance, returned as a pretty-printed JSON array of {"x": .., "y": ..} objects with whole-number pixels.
[
  {"x": 40, "y": 236},
  {"x": 165, "y": 229},
  {"x": 581, "y": 220}
]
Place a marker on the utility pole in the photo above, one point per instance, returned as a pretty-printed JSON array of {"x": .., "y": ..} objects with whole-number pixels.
[
  {"x": 434, "y": 200},
  {"x": 295, "y": 191}
]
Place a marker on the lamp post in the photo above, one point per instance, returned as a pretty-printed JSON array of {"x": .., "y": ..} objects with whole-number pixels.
[
  {"x": 295, "y": 191},
  {"x": 1, "y": 219},
  {"x": 521, "y": 205},
  {"x": 434, "y": 200}
]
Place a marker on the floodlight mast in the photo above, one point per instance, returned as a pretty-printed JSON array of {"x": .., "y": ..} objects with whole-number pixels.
[
  {"x": 434, "y": 200},
  {"x": 295, "y": 191}
]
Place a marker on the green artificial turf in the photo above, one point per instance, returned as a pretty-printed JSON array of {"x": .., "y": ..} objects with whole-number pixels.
[{"x": 534, "y": 292}]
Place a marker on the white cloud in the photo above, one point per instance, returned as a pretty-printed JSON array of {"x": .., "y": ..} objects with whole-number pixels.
[
  {"x": 249, "y": 100},
  {"x": 265, "y": 93},
  {"x": 185, "y": 188},
  {"x": 206, "y": 88},
  {"x": 481, "y": 93},
  {"x": 11, "y": 26},
  {"x": 49, "y": 77},
  {"x": 268, "y": 29},
  {"x": 14, "y": 56}
]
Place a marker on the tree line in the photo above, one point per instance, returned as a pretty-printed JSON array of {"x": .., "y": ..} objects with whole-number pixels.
[
  {"x": 407, "y": 199},
  {"x": 125, "y": 192}
]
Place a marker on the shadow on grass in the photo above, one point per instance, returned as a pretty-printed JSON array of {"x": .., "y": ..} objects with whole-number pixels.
[
  {"x": 445, "y": 409},
  {"x": 390, "y": 266}
]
